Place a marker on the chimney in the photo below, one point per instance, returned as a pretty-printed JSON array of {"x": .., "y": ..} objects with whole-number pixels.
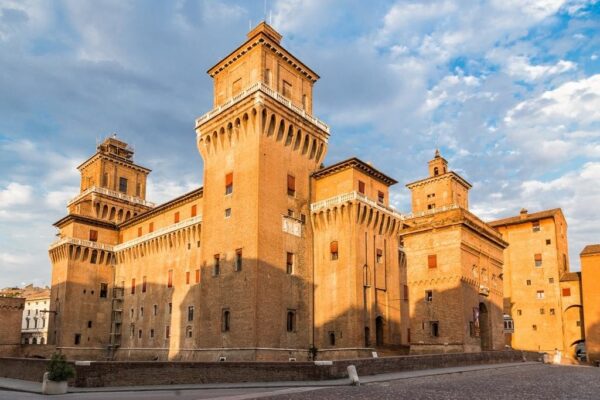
[{"x": 523, "y": 213}]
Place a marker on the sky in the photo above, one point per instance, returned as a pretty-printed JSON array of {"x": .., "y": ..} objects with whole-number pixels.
[{"x": 508, "y": 90}]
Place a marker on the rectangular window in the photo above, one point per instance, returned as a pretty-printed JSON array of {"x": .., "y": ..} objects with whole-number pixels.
[
  {"x": 170, "y": 279},
  {"x": 122, "y": 185},
  {"x": 103, "y": 290},
  {"x": 405, "y": 287},
  {"x": 133, "y": 286},
  {"x": 225, "y": 320},
  {"x": 534, "y": 327},
  {"x": 289, "y": 263},
  {"x": 380, "y": 196},
  {"x": 176, "y": 217},
  {"x": 333, "y": 249},
  {"x": 538, "y": 260},
  {"x": 432, "y": 261},
  {"x": 229, "y": 183},
  {"x": 528, "y": 282},
  {"x": 379, "y": 257},
  {"x": 194, "y": 210},
  {"x": 291, "y": 321},
  {"x": 238, "y": 260},
  {"x": 140, "y": 334},
  {"x": 287, "y": 89},
  {"x": 435, "y": 328},
  {"x": 540, "y": 294},
  {"x": 519, "y": 312},
  {"x": 139, "y": 231},
  {"x": 138, "y": 189},
  {"x": 151, "y": 333},
  {"x": 291, "y": 185},
  {"x": 577, "y": 323},
  {"x": 552, "y": 311},
  {"x": 151, "y": 227},
  {"x": 217, "y": 265},
  {"x": 429, "y": 296},
  {"x": 77, "y": 338},
  {"x": 550, "y": 280},
  {"x": 141, "y": 312},
  {"x": 290, "y": 213},
  {"x": 548, "y": 242},
  {"x": 143, "y": 284},
  {"x": 187, "y": 277},
  {"x": 89, "y": 324},
  {"x": 197, "y": 276},
  {"x": 170, "y": 308},
  {"x": 227, "y": 212},
  {"x": 542, "y": 311},
  {"x": 155, "y": 309},
  {"x": 566, "y": 292},
  {"x": 535, "y": 226},
  {"x": 93, "y": 235},
  {"x": 361, "y": 187},
  {"x": 167, "y": 331},
  {"x": 190, "y": 313}
]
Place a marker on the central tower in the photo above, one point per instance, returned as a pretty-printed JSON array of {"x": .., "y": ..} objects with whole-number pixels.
[{"x": 260, "y": 144}]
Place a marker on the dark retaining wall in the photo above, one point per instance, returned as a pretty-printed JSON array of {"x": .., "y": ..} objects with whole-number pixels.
[{"x": 124, "y": 373}]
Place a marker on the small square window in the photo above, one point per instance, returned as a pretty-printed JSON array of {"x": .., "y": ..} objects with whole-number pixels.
[
  {"x": 548, "y": 242},
  {"x": 535, "y": 226},
  {"x": 550, "y": 280},
  {"x": 534, "y": 327},
  {"x": 519, "y": 312},
  {"x": 566, "y": 292},
  {"x": 93, "y": 235},
  {"x": 528, "y": 282},
  {"x": 227, "y": 212},
  {"x": 542, "y": 311},
  {"x": 380, "y": 197},
  {"x": 551, "y": 312},
  {"x": 578, "y": 323},
  {"x": 540, "y": 294}
]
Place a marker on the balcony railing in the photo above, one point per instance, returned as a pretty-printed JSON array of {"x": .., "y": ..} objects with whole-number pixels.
[
  {"x": 260, "y": 86},
  {"x": 111, "y": 193},
  {"x": 352, "y": 196},
  {"x": 81, "y": 242}
]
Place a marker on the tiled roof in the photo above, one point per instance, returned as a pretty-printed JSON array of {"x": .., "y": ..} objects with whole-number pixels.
[
  {"x": 571, "y": 276},
  {"x": 590, "y": 249},
  {"x": 518, "y": 219},
  {"x": 358, "y": 164}
]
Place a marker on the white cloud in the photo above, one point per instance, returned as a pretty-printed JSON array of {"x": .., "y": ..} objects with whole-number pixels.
[
  {"x": 520, "y": 67},
  {"x": 15, "y": 194}
]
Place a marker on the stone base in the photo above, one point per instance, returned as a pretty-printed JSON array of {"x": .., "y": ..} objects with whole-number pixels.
[{"x": 53, "y": 387}]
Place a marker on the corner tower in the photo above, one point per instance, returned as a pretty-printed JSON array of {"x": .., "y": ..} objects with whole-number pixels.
[{"x": 260, "y": 145}]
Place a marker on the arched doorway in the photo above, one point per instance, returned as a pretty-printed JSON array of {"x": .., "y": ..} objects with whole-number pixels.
[
  {"x": 379, "y": 331},
  {"x": 484, "y": 327}
]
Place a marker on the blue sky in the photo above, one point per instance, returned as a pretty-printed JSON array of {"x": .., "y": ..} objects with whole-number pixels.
[{"x": 509, "y": 90}]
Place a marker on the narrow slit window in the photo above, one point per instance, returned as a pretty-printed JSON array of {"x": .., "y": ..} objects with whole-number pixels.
[
  {"x": 291, "y": 185},
  {"x": 238, "y": 260},
  {"x": 289, "y": 264},
  {"x": 170, "y": 279}
]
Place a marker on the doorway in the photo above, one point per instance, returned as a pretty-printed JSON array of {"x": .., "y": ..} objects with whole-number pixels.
[{"x": 484, "y": 328}]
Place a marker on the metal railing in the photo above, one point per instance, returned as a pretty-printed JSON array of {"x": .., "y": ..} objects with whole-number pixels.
[
  {"x": 260, "y": 86},
  {"x": 111, "y": 193},
  {"x": 352, "y": 196}
]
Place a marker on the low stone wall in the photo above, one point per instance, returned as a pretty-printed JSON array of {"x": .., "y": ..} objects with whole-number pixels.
[{"x": 126, "y": 373}]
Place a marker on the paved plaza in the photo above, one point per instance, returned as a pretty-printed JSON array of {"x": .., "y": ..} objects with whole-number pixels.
[{"x": 516, "y": 381}]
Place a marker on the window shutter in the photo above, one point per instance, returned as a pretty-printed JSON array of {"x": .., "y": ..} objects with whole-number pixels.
[
  {"x": 566, "y": 292},
  {"x": 229, "y": 179},
  {"x": 432, "y": 261},
  {"x": 333, "y": 246},
  {"x": 194, "y": 210},
  {"x": 361, "y": 187},
  {"x": 538, "y": 257}
]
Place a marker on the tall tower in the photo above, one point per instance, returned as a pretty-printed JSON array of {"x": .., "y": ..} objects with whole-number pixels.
[
  {"x": 113, "y": 190},
  {"x": 259, "y": 145}
]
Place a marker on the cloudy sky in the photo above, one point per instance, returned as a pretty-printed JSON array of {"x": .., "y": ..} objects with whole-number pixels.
[{"x": 509, "y": 90}]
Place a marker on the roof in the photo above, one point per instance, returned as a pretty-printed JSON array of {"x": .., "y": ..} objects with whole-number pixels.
[
  {"x": 442, "y": 176},
  {"x": 358, "y": 164},
  {"x": 518, "y": 219},
  {"x": 263, "y": 34},
  {"x": 85, "y": 220},
  {"x": 590, "y": 249},
  {"x": 571, "y": 276},
  {"x": 163, "y": 206},
  {"x": 44, "y": 294}
]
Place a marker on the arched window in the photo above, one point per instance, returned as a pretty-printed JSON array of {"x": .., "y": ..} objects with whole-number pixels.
[
  {"x": 436, "y": 171},
  {"x": 291, "y": 321},
  {"x": 188, "y": 331},
  {"x": 332, "y": 338}
]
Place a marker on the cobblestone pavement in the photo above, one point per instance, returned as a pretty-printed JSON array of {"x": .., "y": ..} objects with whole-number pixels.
[{"x": 524, "y": 382}]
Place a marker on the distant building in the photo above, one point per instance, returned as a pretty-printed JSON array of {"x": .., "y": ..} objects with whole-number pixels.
[
  {"x": 11, "y": 312},
  {"x": 34, "y": 329},
  {"x": 541, "y": 296},
  {"x": 590, "y": 272}
]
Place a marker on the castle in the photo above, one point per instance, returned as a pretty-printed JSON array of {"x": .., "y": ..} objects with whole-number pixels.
[{"x": 276, "y": 257}]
